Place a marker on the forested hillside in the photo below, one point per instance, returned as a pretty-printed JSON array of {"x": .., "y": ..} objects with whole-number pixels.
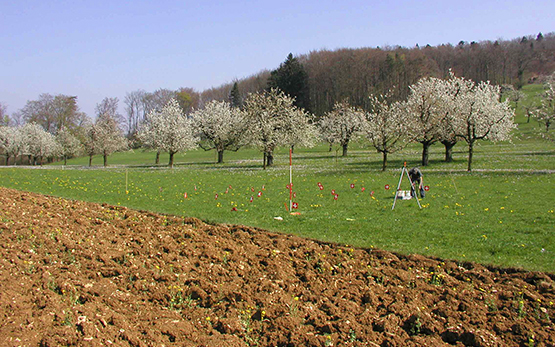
[{"x": 354, "y": 73}]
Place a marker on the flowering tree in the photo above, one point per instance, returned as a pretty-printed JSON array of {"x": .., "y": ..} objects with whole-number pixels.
[
  {"x": 220, "y": 127},
  {"x": 301, "y": 130},
  {"x": 109, "y": 136},
  {"x": 89, "y": 140},
  {"x": 168, "y": 130},
  {"x": 427, "y": 106},
  {"x": 274, "y": 121},
  {"x": 545, "y": 113},
  {"x": 386, "y": 127},
  {"x": 69, "y": 145},
  {"x": 4, "y": 117},
  {"x": 11, "y": 142},
  {"x": 38, "y": 142},
  {"x": 447, "y": 137},
  {"x": 343, "y": 124},
  {"x": 478, "y": 114}
]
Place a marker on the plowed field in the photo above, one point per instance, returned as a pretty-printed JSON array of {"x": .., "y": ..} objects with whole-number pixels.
[{"x": 76, "y": 273}]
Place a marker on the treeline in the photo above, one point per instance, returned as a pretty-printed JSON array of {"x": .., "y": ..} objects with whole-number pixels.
[{"x": 354, "y": 73}]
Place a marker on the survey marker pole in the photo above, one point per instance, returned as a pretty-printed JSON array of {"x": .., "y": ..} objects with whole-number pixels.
[{"x": 290, "y": 179}]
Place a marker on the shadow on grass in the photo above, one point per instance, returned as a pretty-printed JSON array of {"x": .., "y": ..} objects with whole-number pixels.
[{"x": 548, "y": 153}]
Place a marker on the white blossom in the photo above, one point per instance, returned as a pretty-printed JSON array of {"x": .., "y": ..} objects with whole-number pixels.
[
  {"x": 69, "y": 145},
  {"x": 109, "y": 137},
  {"x": 38, "y": 142},
  {"x": 545, "y": 113},
  {"x": 387, "y": 127},
  {"x": 478, "y": 114},
  {"x": 427, "y": 107},
  {"x": 219, "y": 127},
  {"x": 274, "y": 121},
  {"x": 11, "y": 142},
  {"x": 89, "y": 140},
  {"x": 343, "y": 124},
  {"x": 168, "y": 130}
]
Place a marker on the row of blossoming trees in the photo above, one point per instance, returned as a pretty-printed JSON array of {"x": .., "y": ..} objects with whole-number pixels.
[
  {"x": 436, "y": 110},
  {"x": 101, "y": 137}
]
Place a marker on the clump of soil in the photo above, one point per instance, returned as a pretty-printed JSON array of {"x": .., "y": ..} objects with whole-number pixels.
[{"x": 76, "y": 273}]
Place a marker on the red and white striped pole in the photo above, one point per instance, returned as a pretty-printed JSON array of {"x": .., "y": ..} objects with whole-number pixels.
[{"x": 290, "y": 179}]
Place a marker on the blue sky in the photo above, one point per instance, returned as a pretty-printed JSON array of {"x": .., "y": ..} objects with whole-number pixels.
[{"x": 97, "y": 49}]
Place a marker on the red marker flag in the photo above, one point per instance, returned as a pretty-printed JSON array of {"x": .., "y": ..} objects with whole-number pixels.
[
  {"x": 426, "y": 188},
  {"x": 362, "y": 189},
  {"x": 352, "y": 185},
  {"x": 185, "y": 195},
  {"x": 295, "y": 205},
  {"x": 321, "y": 187},
  {"x": 387, "y": 187},
  {"x": 333, "y": 192},
  {"x": 251, "y": 199},
  {"x": 335, "y": 197},
  {"x": 216, "y": 196},
  {"x": 259, "y": 194},
  {"x": 294, "y": 194}
]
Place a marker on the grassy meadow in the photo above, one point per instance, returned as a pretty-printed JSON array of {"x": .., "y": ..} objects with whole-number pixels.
[{"x": 502, "y": 213}]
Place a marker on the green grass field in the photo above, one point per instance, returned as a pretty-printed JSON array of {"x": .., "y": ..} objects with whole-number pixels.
[{"x": 501, "y": 214}]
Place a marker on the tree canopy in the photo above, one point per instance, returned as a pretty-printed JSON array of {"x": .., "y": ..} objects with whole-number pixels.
[{"x": 292, "y": 79}]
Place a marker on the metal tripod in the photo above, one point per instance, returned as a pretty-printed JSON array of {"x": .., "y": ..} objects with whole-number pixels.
[{"x": 403, "y": 171}]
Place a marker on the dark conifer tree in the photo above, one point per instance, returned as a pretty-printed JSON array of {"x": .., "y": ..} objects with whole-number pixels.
[
  {"x": 292, "y": 79},
  {"x": 235, "y": 97}
]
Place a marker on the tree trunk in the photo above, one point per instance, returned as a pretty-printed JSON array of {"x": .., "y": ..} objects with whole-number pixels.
[
  {"x": 425, "y": 153},
  {"x": 171, "y": 159},
  {"x": 65, "y": 160},
  {"x": 270, "y": 158},
  {"x": 449, "y": 150},
  {"x": 331, "y": 147},
  {"x": 105, "y": 159},
  {"x": 470, "y": 153},
  {"x": 384, "y": 164},
  {"x": 264, "y": 161},
  {"x": 345, "y": 147},
  {"x": 7, "y": 160},
  {"x": 220, "y": 156},
  {"x": 90, "y": 160},
  {"x": 157, "y": 161}
]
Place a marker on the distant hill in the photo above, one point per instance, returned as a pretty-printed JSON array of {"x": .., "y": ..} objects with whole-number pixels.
[{"x": 354, "y": 73}]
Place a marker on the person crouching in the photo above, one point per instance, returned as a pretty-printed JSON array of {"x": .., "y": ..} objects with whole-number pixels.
[{"x": 416, "y": 179}]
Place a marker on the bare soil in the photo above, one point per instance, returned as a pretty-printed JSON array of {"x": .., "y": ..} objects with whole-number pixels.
[{"x": 77, "y": 273}]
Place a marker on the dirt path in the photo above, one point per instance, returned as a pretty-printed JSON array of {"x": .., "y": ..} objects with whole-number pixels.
[{"x": 76, "y": 273}]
